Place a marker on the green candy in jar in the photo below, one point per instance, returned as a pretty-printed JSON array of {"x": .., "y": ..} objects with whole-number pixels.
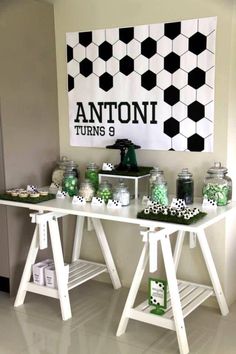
[
  {"x": 159, "y": 191},
  {"x": 70, "y": 184},
  {"x": 105, "y": 191},
  {"x": 91, "y": 174}
]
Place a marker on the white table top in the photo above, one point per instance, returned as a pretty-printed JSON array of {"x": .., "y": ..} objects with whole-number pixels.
[{"x": 124, "y": 214}]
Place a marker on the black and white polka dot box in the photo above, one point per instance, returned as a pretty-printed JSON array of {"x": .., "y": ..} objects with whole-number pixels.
[
  {"x": 78, "y": 200},
  {"x": 107, "y": 166},
  {"x": 96, "y": 201}
]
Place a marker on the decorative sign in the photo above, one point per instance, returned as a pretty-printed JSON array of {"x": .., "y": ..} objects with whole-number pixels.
[
  {"x": 152, "y": 84},
  {"x": 157, "y": 295}
]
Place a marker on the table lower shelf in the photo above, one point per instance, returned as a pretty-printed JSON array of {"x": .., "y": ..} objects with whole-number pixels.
[
  {"x": 79, "y": 272},
  {"x": 191, "y": 296}
]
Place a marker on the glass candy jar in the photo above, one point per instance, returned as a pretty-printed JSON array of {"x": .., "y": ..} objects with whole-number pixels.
[
  {"x": 121, "y": 193},
  {"x": 217, "y": 185},
  {"x": 58, "y": 173},
  {"x": 91, "y": 174},
  {"x": 154, "y": 173},
  {"x": 105, "y": 191},
  {"x": 70, "y": 179},
  {"x": 86, "y": 190},
  {"x": 184, "y": 186},
  {"x": 159, "y": 191}
]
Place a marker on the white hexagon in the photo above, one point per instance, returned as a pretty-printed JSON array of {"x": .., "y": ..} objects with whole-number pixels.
[
  {"x": 210, "y": 77},
  {"x": 180, "y": 79},
  {"x": 180, "y": 44},
  {"x": 164, "y": 46},
  {"x": 112, "y": 35},
  {"x": 119, "y": 50},
  {"x": 211, "y": 42},
  {"x": 141, "y": 64},
  {"x": 99, "y": 36},
  {"x": 206, "y": 25},
  {"x": 79, "y": 52},
  {"x": 205, "y": 94},
  {"x": 180, "y": 111},
  {"x": 99, "y": 66},
  {"x": 113, "y": 66},
  {"x": 187, "y": 95},
  {"x": 73, "y": 68},
  {"x": 204, "y": 127},
  {"x": 206, "y": 60},
  {"x": 164, "y": 111},
  {"x": 141, "y": 32},
  {"x": 187, "y": 127},
  {"x": 156, "y": 63},
  {"x": 164, "y": 79},
  {"x": 208, "y": 144},
  {"x": 157, "y": 31},
  {"x": 188, "y": 61},
  {"x": 133, "y": 48},
  {"x": 92, "y": 51},
  {"x": 179, "y": 143},
  {"x": 189, "y": 27},
  {"x": 72, "y": 38},
  {"x": 209, "y": 111}
]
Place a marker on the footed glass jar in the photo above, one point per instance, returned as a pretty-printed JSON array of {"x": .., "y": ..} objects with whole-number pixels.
[
  {"x": 91, "y": 174},
  {"x": 87, "y": 190},
  {"x": 154, "y": 173},
  {"x": 121, "y": 193},
  {"x": 105, "y": 191},
  {"x": 217, "y": 185},
  {"x": 159, "y": 192},
  {"x": 70, "y": 181},
  {"x": 58, "y": 172}
]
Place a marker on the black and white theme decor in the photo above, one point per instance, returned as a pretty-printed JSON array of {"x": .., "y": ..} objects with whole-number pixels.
[{"x": 152, "y": 84}]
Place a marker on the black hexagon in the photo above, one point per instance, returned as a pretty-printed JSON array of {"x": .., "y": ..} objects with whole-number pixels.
[
  {"x": 105, "y": 51},
  {"x": 69, "y": 53},
  {"x": 86, "y": 67},
  {"x": 196, "y": 78},
  {"x": 196, "y": 111},
  {"x": 85, "y": 38},
  {"x": 149, "y": 47},
  {"x": 70, "y": 83},
  {"x": 197, "y": 43},
  {"x": 171, "y": 127},
  {"x": 171, "y": 95},
  {"x": 126, "y": 65},
  {"x": 195, "y": 143},
  {"x": 106, "y": 82},
  {"x": 172, "y": 30},
  {"x": 126, "y": 34},
  {"x": 172, "y": 62},
  {"x": 148, "y": 80}
]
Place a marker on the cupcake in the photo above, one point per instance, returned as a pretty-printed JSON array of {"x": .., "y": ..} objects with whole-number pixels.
[
  {"x": 43, "y": 193},
  {"x": 23, "y": 194},
  {"x": 34, "y": 194},
  {"x": 14, "y": 193}
]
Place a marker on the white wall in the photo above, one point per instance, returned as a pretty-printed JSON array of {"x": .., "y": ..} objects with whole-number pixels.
[{"x": 78, "y": 15}]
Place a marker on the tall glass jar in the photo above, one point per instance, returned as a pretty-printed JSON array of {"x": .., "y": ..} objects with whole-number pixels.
[
  {"x": 184, "y": 186},
  {"x": 217, "y": 185},
  {"x": 105, "y": 191},
  {"x": 70, "y": 179},
  {"x": 121, "y": 193},
  {"x": 159, "y": 192},
  {"x": 86, "y": 190},
  {"x": 154, "y": 173},
  {"x": 58, "y": 172},
  {"x": 91, "y": 173}
]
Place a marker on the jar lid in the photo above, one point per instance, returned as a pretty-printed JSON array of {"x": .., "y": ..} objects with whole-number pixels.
[
  {"x": 156, "y": 169},
  {"x": 92, "y": 165},
  {"x": 184, "y": 173},
  {"x": 217, "y": 168},
  {"x": 105, "y": 183}
]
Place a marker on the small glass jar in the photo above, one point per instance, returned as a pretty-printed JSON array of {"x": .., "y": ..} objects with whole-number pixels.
[
  {"x": 86, "y": 190},
  {"x": 121, "y": 193},
  {"x": 105, "y": 191},
  {"x": 70, "y": 180},
  {"x": 91, "y": 173},
  {"x": 217, "y": 185},
  {"x": 154, "y": 173},
  {"x": 184, "y": 186},
  {"x": 159, "y": 192}
]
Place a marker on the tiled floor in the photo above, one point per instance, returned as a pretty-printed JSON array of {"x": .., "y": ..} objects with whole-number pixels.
[{"x": 37, "y": 328}]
